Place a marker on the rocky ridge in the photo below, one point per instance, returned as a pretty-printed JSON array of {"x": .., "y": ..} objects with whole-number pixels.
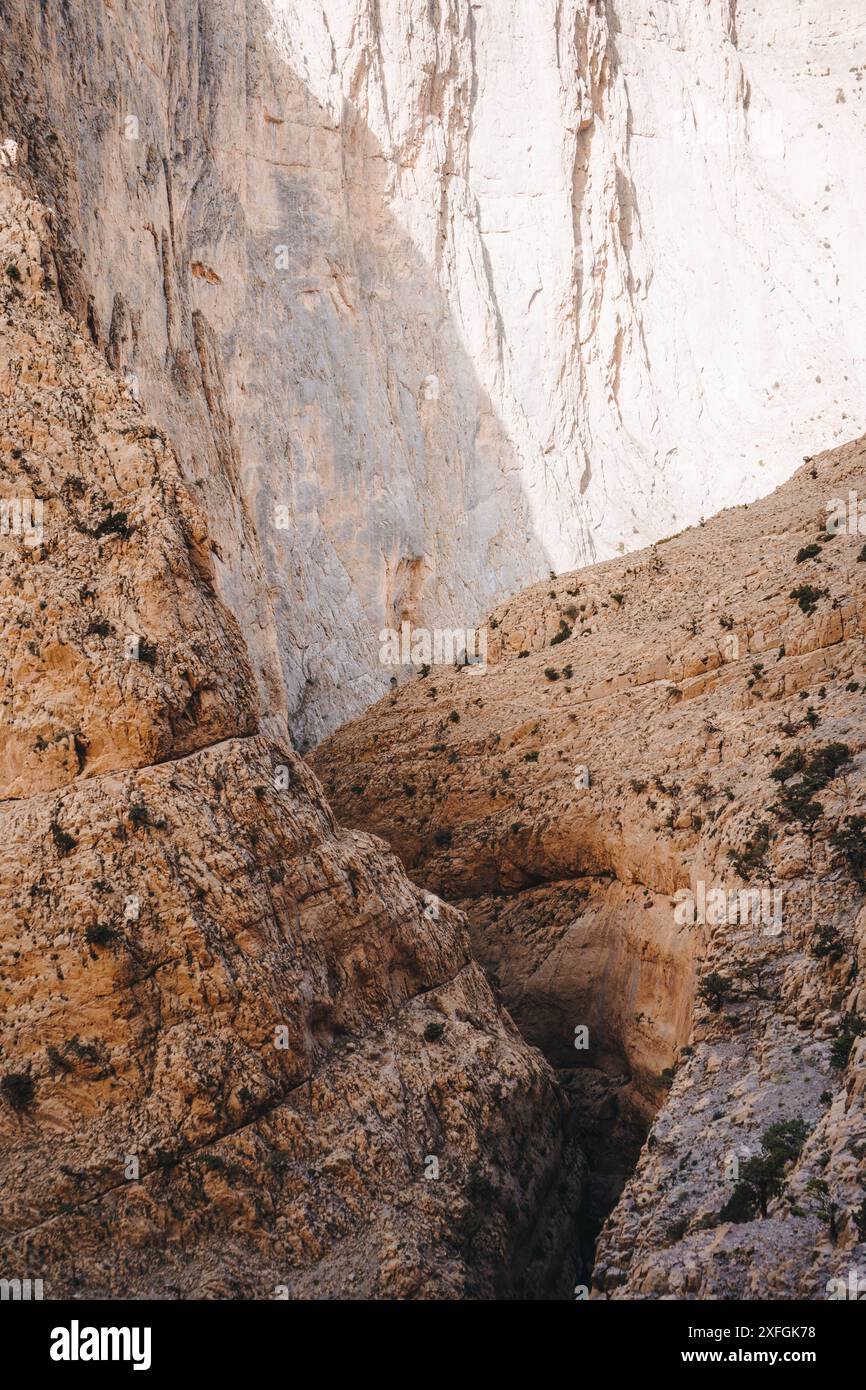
[
  {"x": 241, "y": 1054},
  {"x": 431, "y": 299},
  {"x": 712, "y": 688}
]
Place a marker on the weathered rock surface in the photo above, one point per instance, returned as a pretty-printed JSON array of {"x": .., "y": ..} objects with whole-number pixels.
[
  {"x": 699, "y": 683},
  {"x": 235, "y": 1041},
  {"x": 431, "y": 298},
  {"x": 115, "y": 650}
]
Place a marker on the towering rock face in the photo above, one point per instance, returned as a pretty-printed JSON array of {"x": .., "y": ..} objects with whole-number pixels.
[
  {"x": 651, "y": 806},
  {"x": 433, "y": 298},
  {"x": 241, "y": 1055}
]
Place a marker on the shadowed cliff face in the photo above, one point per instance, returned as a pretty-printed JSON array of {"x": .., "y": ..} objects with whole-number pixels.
[
  {"x": 228, "y": 240},
  {"x": 241, "y": 1055},
  {"x": 423, "y": 305},
  {"x": 418, "y": 308},
  {"x": 650, "y": 806}
]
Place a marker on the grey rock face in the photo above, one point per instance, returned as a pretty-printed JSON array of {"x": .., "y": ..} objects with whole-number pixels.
[{"x": 426, "y": 301}]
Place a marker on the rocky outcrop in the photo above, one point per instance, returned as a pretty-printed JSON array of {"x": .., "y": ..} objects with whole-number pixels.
[
  {"x": 429, "y": 302},
  {"x": 241, "y": 1055},
  {"x": 650, "y": 804}
]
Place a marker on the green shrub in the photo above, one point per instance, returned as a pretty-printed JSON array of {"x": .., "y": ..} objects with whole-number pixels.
[
  {"x": 113, "y": 524},
  {"x": 763, "y": 1176},
  {"x": 63, "y": 842},
  {"x": 99, "y": 934},
  {"x": 18, "y": 1089},
  {"x": 807, "y": 597},
  {"x": 714, "y": 989},
  {"x": 796, "y": 801},
  {"x": 753, "y": 858},
  {"x": 808, "y": 552},
  {"x": 853, "y": 1027},
  {"x": 826, "y": 943},
  {"x": 850, "y": 842}
]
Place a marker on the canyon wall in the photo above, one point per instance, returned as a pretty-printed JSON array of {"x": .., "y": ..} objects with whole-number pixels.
[
  {"x": 241, "y": 1055},
  {"x": 650, "y": 805},
  {"x": 432, "y": 298}
]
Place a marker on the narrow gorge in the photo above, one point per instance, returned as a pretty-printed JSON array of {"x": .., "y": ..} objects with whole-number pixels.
[{"x": 433, "y": 593}]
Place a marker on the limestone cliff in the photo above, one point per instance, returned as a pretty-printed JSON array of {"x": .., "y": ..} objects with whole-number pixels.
[
  {"x": 432, "y": 297},
  {"x": 241, "y": 1055},
  {"x": 651, "y": 805}
]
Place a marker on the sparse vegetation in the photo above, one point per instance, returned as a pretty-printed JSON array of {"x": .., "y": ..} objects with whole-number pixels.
[
  {"x": 64, "y": 843},
  {"x": 826, "y": 943},
  {"x": 850, "y": 844},
  {"x": 853, "y": 1027},
  {"x": 752, "y": 859},
  {"x": 113, "y": 524},
  {"x": 807, "y": 596},
  {"x": 714, "y": 990},
  {"x": 763, "y": 1177},
  {"x": 826, "y": 1208},
  {"x": 18, "y": 1089},
  {"x": 99, "y": 934},
  {"x": 808, "y": 552},
  {"x": 796, "y": 798}
]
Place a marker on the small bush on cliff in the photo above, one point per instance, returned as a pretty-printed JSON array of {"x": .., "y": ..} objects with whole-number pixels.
[
  {"x": 850, "y": 842},
  {"x": 18, "y": 1089},
  {"x": 63, "y": 842},
  {"x": 796, "y": 799},
  {"x": 99, "y": 934},
  {"x": 808, "y": 552},
  {"x": 113, "y": 524},
  {"x": 825, "y": 1207},
  {"x": 763, "y": 1177},
  {"x": 826, "y": 943},
  {"x": 714, "y": 989},
  {"x": 807, "y": 597},
  {"x": 853, "y": 1027},
  {"x": 752, "y": 859}
]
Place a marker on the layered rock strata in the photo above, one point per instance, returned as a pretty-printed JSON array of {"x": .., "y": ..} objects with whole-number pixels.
[
  {"x": 699, "y": 905},
  {"x": 241, "y": 1055}
]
